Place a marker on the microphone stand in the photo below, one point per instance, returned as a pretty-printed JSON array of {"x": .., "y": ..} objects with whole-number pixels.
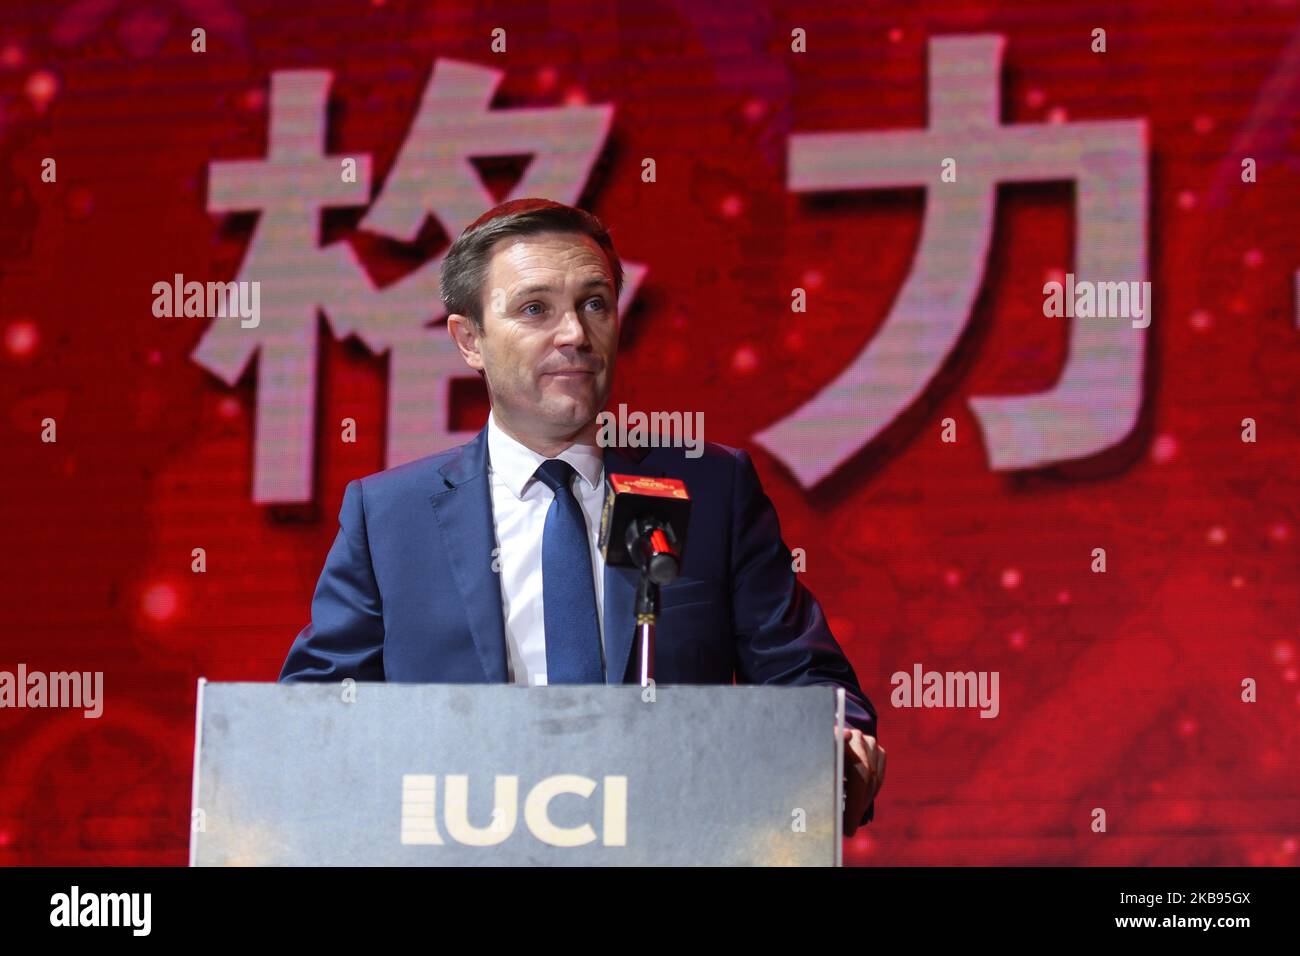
[
  {"x": 653, "y": 550},
  {"x": 647, "y": 611}
]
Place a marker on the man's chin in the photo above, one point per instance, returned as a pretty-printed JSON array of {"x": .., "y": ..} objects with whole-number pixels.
[{"x": 570, "y": 416}]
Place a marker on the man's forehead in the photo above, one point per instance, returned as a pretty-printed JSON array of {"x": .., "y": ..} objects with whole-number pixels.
[{"x": 518, "y": 258}]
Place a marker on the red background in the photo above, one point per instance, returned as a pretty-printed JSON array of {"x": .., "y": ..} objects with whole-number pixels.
[{"x": 1119, "y": 690}]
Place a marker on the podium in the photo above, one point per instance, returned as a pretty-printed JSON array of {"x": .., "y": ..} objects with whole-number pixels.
[{"x": 362, "y": 774}]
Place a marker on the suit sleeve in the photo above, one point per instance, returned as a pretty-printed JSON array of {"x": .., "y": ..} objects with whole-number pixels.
[
  {"x": 781, "y": 633},
  {"x": 346, "y": 635}
]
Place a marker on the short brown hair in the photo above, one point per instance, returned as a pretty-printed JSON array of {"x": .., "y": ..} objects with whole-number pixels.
[{"x": 464, "y": 268}]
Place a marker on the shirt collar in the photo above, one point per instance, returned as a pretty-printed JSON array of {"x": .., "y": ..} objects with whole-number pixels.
[{"x": 516, "y": 463}]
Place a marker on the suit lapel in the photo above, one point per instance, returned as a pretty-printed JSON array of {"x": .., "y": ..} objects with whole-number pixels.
[{"x": 463, "y": 508}]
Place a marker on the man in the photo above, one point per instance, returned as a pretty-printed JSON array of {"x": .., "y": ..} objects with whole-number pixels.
[{"x": 480, "y": 563}]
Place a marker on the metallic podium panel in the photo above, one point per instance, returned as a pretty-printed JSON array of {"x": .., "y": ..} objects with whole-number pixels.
[{"x": 351, "y": 774}]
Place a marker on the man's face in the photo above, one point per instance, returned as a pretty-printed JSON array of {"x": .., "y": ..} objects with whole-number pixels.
[{"x": 550, "y": 333}]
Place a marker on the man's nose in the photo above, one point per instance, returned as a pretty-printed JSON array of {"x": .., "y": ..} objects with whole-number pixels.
[{"x": 572, "y": 331}]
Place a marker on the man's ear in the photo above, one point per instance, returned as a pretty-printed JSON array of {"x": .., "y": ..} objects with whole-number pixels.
[{"x": 465, "y": 334}]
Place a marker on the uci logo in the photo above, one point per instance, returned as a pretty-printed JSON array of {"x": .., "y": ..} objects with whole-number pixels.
[{"x": 420, "y": 810}]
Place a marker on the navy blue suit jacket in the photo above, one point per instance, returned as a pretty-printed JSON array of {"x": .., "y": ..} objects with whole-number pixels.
[{"x": 408, "y": 593}]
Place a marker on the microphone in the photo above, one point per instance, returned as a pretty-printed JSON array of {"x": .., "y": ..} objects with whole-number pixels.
[{"x": 643, "y": 524}]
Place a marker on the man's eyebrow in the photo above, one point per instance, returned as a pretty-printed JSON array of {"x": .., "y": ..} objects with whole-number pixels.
[{"x": 593, "y": 282}]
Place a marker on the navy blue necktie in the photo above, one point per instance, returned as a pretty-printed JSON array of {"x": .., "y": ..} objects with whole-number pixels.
[{"x": 568, "y": 592}]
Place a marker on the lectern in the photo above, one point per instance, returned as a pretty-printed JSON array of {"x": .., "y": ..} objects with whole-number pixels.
[{"x": 350, "y": 774}]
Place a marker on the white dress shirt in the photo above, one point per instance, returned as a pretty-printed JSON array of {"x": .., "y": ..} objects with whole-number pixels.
[{"x": 519, "y": 506}]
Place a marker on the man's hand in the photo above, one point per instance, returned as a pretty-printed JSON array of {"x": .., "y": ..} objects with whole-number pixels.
[{"x": 864, "y": 772}]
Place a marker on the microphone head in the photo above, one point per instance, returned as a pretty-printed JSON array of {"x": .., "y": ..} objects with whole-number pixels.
[
  {"x": 664, "y": 568},
  {"x": 635, "y": 498}
]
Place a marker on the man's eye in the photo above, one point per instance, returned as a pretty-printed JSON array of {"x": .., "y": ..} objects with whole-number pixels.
[
  {"x": 599, "y": 302},
  {"x": 533, "y": 305}
]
